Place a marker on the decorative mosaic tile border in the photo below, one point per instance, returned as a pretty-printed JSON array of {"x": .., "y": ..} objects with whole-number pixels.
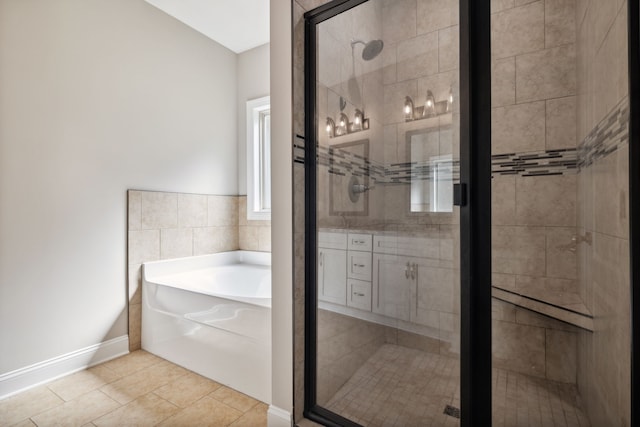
[
  {"x": 607, "y": 136},
  {"x": 539, "y": 163},
  {"x": 342, "y": 162}
]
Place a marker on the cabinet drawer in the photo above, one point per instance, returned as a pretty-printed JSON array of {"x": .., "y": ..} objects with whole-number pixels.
[
  {"x": 360, "y": 242},
  {"x": 359, "y": 265},
  {"x": 332, "y": 240},
  {"x": 359, "y": 294}
]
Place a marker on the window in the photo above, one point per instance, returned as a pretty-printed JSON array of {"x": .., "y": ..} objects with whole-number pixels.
[{"x": 259, "y": 159}]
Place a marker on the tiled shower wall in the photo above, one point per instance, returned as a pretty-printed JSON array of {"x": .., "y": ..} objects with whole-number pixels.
[
  {"x": 534, "y": 115},
  {"x": 171, "y": 225},
  {"x": 603, "y": 182}
]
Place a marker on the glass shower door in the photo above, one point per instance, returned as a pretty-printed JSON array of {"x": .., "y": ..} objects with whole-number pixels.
[{"x": 387, "y": 251}]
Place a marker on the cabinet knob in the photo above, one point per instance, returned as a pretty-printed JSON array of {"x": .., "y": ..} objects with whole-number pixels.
[{"x": 358, "y": 294}]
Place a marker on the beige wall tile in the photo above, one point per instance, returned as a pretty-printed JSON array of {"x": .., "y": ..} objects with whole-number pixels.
[
  {"x": 78, "y": 411},
  {"x": 503, "y": 200},
  {"x": 223, "y": 210},
  {"x": 135, "y": 326},
  {"x": 24, "y": 405},
  {"x": 519, "y": 250},
  {"x": 145, "y": 410},
  {"x": 561, "y": 353},
  {"x": 135, "y": 283},
  {"x": 434, "y": 15},
  {"x": 561, "y": 123},
  {"x": 176, "y": 243},
  {"x": 531, "y": 318},
  {"x": 417, "y": 57},
  {"x": 518, "y": 30},
  {"x": 144, "y": 245},
  {"x": 561, "y": 262},
  {"x": 389, "y": 61},
  {"x": 248, "y": 238},
  {"x": 159, "y": 210},
  {"x": 504, "y": 311},
  {"x": 518, "y": 128},
  {"x": 500, "y": 5},
  {"x": 546, "y": 200},
  {"x": 560, "y": 22},
  {"x": 610, "y": 194},
  {"x": 264, "y": 239},
  {"x": 210, "y": 240},
  {"x": 192, "y": 210},
  {"x": 519, "y": 348},
  {"x": 549, "y": 73},
  {"x": 503, "y": 81},
  {"x": 134, "y": 209},
  {"x": 399, "y": 21},
  {"x": 504, "y": 281},
  {"x": 448, "y": 48},
  {"x": 394, "y": 96}
]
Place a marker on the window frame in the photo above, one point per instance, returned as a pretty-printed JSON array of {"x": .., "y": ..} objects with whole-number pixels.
[{"x": 256, "y": 109}]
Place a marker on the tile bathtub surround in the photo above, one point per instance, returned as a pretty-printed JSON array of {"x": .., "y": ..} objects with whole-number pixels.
[
  {"x": 172, "y": 225},
  {"x": 136, "y": 389}
]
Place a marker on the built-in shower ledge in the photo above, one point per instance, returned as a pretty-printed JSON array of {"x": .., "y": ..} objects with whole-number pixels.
[{"x": 574, "y": 313}]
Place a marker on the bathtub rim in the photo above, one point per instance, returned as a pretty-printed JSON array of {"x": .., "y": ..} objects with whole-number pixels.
[{"x": 154, "y": 271}]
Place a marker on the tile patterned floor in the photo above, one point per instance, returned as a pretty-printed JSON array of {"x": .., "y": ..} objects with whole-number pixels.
[
  {"x": 399, "y": 386},
  {"x": 137, "y": 389}
]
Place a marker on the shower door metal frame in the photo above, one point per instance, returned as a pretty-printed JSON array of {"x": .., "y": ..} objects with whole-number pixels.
[
  {"x": 475, "y": 212},
  {"x": 633, "y": 42}
]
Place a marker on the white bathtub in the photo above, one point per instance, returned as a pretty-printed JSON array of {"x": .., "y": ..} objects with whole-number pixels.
[{"x": 212, "y": 314}]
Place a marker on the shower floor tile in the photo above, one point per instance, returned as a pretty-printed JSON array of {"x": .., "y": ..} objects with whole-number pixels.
[{"x": 399, "y": 386}]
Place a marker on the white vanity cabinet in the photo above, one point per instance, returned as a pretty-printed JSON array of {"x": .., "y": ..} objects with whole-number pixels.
[
  {"x": 359, "y": 271},
  {"x": 391, "y": 286},
  {"x": 332, "y": 267},
  {"x": 409, "y": 287}
]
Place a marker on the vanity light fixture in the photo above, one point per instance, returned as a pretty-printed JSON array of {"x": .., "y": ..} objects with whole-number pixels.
[
  {"x": 344, "y": 126},
  {"x": 408, "y": 108},
  {"x": 358, "y": 120},
  {"x": 429, "y": 105},
  {"x": 331, "y": 127},
  {"x": 430, "y": 108}
]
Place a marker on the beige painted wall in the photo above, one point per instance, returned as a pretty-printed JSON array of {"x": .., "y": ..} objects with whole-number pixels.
[{"x": 97, "y": 97}]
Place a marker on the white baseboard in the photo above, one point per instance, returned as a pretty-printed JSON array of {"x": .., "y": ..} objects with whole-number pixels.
[
  {"x": 30, "y": 376},
  {"x": 278, "y": 417}
]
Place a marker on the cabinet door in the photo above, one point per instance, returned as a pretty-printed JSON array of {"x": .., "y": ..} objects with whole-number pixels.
[
  {"x": 391, "y": 286},
  {"x": 332, "y": 275},
  {"x": 433, "y": 299}
]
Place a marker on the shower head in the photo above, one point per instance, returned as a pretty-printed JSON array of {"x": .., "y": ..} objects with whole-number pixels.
[{"x": 371, "y": 49}]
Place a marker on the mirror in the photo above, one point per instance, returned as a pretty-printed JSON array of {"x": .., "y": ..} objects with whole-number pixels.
[{"x": 431, "y": 188}]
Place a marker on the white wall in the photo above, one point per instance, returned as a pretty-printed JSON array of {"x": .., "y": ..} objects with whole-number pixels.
[
  {"x": 253, "y": 82},
  {"x": 95, "y": 97},
  {"x": 281, "y": 215}
]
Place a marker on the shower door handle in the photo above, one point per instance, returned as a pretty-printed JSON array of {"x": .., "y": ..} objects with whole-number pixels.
[{"x": 460, "y": 194}]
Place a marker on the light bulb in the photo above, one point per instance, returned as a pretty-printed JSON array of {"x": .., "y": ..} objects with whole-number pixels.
[
  {"x": 407, "y": 109},
  {"x": 328, "y": 128}
]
